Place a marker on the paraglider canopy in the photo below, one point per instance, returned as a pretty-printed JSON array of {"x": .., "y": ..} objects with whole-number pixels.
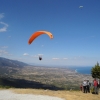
[
  {"x": 38, "y": 33},
  {"x": 80, "y": 6}
]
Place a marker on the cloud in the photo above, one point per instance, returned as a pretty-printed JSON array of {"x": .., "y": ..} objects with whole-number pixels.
[
  {"x": 55, "y": 58},
  {"x": 4, "y": 28},
  {"x": 35, "y": 56},
  {"x": 1, "y": 15},
  {"x": 4, "y": 47},
  {"x": 40, "y": 54},
  {"x": 26, "y": 54},
  {"x": 65, "y": 58},
  {"x": 61, "y": 59},
  {"x": 4, "y": 52}
]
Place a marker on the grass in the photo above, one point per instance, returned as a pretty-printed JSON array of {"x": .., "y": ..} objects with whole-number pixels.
[{"x": 67, "y": 95}]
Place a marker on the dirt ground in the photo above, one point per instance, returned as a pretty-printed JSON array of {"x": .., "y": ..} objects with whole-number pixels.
[{"x": 67, "y": 95}]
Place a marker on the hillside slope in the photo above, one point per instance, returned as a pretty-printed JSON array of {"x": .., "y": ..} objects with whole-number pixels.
[
  {"x": 11, "y": 63},
  {"x": 9, "y": 67}
]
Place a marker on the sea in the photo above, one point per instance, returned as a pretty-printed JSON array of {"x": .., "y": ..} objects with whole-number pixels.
[
  {"x": 77, "y": 69},
  {"x": 82, "y": 70}
]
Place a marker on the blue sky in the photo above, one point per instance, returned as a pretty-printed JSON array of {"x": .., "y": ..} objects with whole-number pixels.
[{"x": 76, "y": 31}]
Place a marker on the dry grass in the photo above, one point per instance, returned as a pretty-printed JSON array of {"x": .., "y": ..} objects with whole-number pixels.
[{"x": 67, "y": 95}]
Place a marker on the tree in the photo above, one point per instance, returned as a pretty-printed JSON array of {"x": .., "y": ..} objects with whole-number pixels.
[{"x": 95, "y": 71}]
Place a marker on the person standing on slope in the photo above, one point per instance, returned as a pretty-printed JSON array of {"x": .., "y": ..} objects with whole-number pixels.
[
  {"x": 95, "y": 83},
  {"x": 88, "y": 86},
  {"x": 85, "y": 86}
]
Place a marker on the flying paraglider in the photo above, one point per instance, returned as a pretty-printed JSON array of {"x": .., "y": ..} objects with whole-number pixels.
[
  {"x": 38, "y": 33},
  {"x": 81, "y": 7}
]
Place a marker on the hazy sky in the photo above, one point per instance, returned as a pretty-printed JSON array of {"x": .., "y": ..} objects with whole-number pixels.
[{"x": 76, "y": 31}]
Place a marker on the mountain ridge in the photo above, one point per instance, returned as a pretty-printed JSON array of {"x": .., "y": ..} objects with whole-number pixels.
[{"x": 5, "y": 62}]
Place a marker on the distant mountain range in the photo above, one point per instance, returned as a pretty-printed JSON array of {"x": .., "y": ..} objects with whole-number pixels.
[{"x": 4, "y": 62}]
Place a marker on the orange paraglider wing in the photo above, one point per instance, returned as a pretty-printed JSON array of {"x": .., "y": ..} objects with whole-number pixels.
[{"x": 38, "y": 33}]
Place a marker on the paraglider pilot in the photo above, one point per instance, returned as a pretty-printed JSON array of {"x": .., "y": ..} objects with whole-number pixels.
[{"x": 40, "y": 58}]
